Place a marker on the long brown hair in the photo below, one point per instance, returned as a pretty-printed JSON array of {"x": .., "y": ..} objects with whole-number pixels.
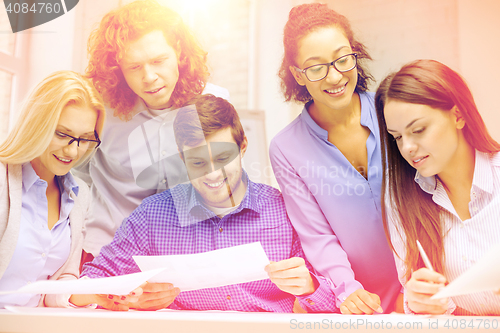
[
  {"x": 302, "y": 20},
  {"x": 430, "y": 83}
]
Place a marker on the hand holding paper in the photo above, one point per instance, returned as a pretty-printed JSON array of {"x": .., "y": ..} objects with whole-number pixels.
[
  {"x": 238, "y": 264},
  {"x": 110, "y": 302},
  {"x": 149, "y": 296},
  {"x": 155, "y": 296},
  {"x": 115, "y": 285},
  {"x": 291, "y": 276}
]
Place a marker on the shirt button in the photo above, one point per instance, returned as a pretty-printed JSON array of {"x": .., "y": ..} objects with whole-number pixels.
[
  {"x": 464, "y": 258},
  {"x": 344, "y": 298},
  {"x": 310, "y": 301},
  {"x": 462, "y": 226},
  {"x": 163, "y": 181},
  {"x": 43, "y": 255},
  {"x": 164, "y": 153},
  {"x": 29, "y": 282},
  {"x": 220, "y": 229},
  {"x": 228, "y": 297},
  {"x": 474, "y": 209}
]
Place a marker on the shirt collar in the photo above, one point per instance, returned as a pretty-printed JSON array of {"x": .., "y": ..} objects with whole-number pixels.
[
  {"x": 140, "y": 108},
  {"x": 427, "y": 184},
  {"x": 366, "y": 120},
  {"x": 190, "y": 210},
  {"x": 483, "y": 173},
  {"x": 482, "y": 176},
  {"x": 320, "y": 132},
  {"x": 69, "y": 183},
  {"x": 30, "y": 177}
]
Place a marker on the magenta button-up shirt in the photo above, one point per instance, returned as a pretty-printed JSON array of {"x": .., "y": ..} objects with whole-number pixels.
[{"x": 175, "y": 222}]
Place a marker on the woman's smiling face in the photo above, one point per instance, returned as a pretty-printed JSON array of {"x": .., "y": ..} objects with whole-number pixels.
[
  {"x": 321, "y": 46},
  {"x": 59, "y": 157},
  {"x": 427, "y": 138}
]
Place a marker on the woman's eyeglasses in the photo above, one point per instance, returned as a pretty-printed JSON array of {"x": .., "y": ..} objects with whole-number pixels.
[
  {"x": 320, "y": 71},
  {"x": 84, "y": 143}
]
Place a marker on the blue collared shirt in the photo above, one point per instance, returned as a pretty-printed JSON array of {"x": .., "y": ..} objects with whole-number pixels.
[
  {"x": 39, "y": 252},
  {"x": 335, "y": 210}
]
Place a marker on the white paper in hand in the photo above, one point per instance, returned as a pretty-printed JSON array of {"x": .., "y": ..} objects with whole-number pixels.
[
  {"x": 238, "y": 264},
  {"x": 115, "y": 285},
  {"x": 483, "y": 276}
]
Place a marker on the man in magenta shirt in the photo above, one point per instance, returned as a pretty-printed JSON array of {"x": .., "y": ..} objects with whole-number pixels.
[{"x": 219, "y": 208}]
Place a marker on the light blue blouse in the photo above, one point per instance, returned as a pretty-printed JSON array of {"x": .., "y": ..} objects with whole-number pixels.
[
  {"x": 39, "y": 252},
  {"x": 335, "y": 210}
]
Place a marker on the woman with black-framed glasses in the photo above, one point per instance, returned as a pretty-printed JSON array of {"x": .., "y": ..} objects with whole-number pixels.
[
  {"x": 43, "y": 208},
  {"x": 328, "y": 161}
]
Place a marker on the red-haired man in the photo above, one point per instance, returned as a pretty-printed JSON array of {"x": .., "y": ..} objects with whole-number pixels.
[{"x": 147, "y": 64}]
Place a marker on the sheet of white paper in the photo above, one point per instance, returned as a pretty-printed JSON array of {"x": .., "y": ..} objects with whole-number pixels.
[
  {"x": 116, "y": 285},
  {"x": 483, "y": 276},
  {"x": 238, "y": 264}
]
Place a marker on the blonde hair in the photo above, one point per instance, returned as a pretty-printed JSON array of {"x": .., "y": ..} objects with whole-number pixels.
[{"x": 40, "y": 114}]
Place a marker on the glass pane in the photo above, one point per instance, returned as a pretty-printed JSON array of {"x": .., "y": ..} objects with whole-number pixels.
[
  {"x": 7, "y": 38},
  {"x": 5, "y": 92}
]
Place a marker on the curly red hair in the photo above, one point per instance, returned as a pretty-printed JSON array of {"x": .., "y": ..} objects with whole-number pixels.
[{"x": 107, "y": 44}]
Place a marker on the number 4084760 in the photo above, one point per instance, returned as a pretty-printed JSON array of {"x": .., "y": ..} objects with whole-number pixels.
[
  {"x": 471, "y": 323},
  {"x": 37, "y": 7}
]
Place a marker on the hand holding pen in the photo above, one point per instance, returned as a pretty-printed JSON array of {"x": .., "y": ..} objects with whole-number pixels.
[{"x": 424, "y": 283}]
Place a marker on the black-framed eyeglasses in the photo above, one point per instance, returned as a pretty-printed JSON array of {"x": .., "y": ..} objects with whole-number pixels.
[
  {"x": 320, "y": 71},
  {"x": 86, "y": 142}
]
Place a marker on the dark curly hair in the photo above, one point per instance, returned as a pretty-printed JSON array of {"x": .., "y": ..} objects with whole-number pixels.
[
  {"x": 107, "y": 43},
  {"x": 302, "y": 20}
]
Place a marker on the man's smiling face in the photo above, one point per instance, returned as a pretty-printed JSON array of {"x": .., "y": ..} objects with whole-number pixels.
[{"x": 215, "y": 171}]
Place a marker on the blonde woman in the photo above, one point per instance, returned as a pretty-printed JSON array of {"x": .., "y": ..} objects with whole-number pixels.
[{"x": 42, "y": 206}]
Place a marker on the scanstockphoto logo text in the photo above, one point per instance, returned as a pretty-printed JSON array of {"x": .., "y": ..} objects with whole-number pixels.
[
  {"x": 361, "y": 323},
  {"x": 375, "y": 324}
]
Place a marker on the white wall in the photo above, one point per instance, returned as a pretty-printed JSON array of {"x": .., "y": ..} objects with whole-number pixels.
[
  {"x": 479, "y": 50},
  {"x": 51, "y": 47},
  {"x": 399, "y": 31},
  {"x": 461, "y": 33},
  {"x": 271, "y": 19}
]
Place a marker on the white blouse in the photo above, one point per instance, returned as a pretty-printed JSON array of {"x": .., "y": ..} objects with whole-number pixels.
[{"x": 465, "y": 242}]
